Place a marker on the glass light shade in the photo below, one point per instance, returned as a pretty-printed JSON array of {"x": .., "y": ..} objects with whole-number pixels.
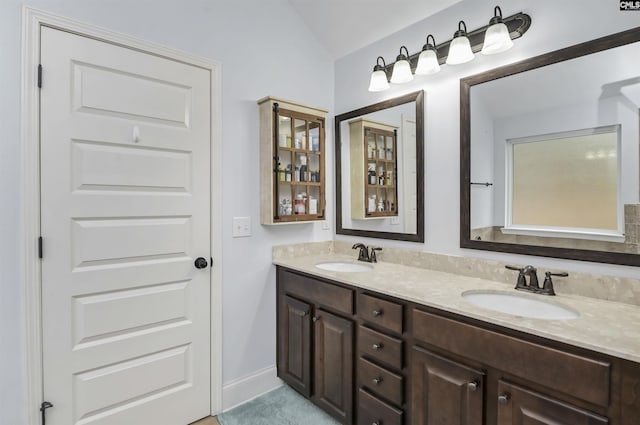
[
  {"x": 427, "y": 63},
  {"x": 459, "y": 51},
  {"x": 401, "y": 72},
  {"x": 378, "y": 81},
  {"x": 496, "y": 39}
]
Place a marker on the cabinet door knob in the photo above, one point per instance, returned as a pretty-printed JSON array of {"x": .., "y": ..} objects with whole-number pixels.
[
  {"x": 375, "y": 423},
  {"x": 315, "y": 318},
  {"x": 377, "y": 346},
  {"x": 504, "y": 398},
  {"x": 377, "y": 313},
  {"x": 377, "y": 380},
  {"x": 473, "y": 385},
  {"x": 305, "y": 313}
]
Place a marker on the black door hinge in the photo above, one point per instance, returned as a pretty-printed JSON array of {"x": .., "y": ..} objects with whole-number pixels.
[
  {"x": 40, "y": 76},
  {"x": 43, "y": 409},
  {"x": 40, "y": 253}
]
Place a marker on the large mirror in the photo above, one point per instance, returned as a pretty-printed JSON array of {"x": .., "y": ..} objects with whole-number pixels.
[
  {"x": 379, "y": 170},
  {"x": 550, "y": 154}
]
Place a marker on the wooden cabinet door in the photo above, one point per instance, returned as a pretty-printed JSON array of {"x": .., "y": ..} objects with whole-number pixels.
[
  {"x": 444, "y": 392},
  {"x": 294, "y": 344},
  {"x": 519, "y": 406},
  {"x": 333, "y": 375}
]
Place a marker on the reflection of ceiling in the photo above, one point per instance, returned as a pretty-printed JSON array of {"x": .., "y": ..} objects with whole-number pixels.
[
  {"x": 344, "y": 26},
  {"x": 605, "y": 74}
]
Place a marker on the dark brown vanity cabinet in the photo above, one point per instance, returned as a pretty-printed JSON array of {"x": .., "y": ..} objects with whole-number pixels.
[
  {"x": 371, "y": 359},
  {"x": 316, "y": 341}
]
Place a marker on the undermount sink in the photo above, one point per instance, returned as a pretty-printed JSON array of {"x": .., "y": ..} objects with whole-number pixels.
[
  {"x": 345, "y": 266},
  {"x": 519, "y": 305}
]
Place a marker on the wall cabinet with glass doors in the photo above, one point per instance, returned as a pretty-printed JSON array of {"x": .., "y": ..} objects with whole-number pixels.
[
  {"x": 292, "y": 162},
  {"x": 374, "y": 166}
]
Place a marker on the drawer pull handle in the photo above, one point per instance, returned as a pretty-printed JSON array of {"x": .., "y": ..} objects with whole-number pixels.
[
  {"x": 504, "y": 399},
  {"x": 473, "y": 385},
  {"x": 377, "y": 347},
  {"x": 377, "y": 313},
  {"x": 377, "y": 380}
]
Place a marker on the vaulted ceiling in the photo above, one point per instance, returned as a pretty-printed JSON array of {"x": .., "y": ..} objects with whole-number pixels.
[{"x": 344, "y": 26}]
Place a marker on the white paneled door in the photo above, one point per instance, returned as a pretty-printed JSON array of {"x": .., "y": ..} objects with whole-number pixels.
[{"x": 125, "y": 195}]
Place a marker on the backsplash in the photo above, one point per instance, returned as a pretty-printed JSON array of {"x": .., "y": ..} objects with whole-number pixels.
[{"x": 624, "y": 290}]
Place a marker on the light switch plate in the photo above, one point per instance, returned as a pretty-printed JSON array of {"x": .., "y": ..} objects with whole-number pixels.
[
  {"x": 241, "y": 227},
  {"x": 325, "y": 225}
]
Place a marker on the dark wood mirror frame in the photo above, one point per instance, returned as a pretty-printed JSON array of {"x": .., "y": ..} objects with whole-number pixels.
[
  {"x": 594, "y": 46},
  {"x": 418, "y": 97}
]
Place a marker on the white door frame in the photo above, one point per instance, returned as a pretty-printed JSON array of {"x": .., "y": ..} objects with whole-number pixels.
[{"x": 32, "y": 21}]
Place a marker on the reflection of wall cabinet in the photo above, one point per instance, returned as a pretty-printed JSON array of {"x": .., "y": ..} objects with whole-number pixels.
[
  {"x": 292, "y": 158},
  {"x": 373, "y": 151}
]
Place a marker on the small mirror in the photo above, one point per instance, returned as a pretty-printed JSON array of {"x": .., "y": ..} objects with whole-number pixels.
[
  {"x": 379, "y": 170},
  {"x": 550, "y": 159}
]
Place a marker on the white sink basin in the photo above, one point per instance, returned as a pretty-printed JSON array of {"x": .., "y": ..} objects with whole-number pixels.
[
  {"x": 345, "y": 266},
  {"x": 519, "y": 305}
]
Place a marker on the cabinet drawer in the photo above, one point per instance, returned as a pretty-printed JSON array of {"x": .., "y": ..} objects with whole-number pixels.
[
  {"x": 582, "y": 377},
  {"x": 385, "y": 314},
  {"x": 380, "y": 381},
  {"x": 380, "y": 347},
  {"x": 321, "y": 293},
  {"x": 371, "y": 411}
]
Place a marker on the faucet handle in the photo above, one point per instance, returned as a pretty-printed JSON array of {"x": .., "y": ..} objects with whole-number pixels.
[
  {"x": 518, "y": 269},
  {"x": 363, "y": 255},
  {"x": 522, "y": 281},
  {"x": 547, "y": 287},
  {"x": 372, "y": 256}
]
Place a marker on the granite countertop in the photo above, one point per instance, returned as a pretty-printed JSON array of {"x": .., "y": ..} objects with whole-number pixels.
[{"x": 604, "y": 326}]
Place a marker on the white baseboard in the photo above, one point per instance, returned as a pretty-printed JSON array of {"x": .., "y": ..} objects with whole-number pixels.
[{"x": 249, "y": 387}]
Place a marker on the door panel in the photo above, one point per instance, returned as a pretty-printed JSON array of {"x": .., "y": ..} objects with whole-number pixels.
[
  {"x": 333, "y": 383},
  {"x": 294, "y": 358},
  {"x": 125, "y": 181},
  {"x": 441, "y": 392},
  {"x": 520, "y": 406}
]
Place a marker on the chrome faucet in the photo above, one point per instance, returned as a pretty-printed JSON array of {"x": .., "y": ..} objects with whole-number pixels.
[
  {"x": 365, "y": 254},
  {"x": 532, "y": 285}
]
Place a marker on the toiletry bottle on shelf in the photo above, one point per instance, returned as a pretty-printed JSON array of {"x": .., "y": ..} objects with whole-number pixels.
[
  {"x": 303, "y": 168},
  {"x": 372, "y": 204},
  {"x": 300, "y": 204},
  {"x": 313, "y": 205}
]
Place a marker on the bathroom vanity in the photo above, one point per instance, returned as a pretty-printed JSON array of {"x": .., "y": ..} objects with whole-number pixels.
[{"x": 414, "y": 352}]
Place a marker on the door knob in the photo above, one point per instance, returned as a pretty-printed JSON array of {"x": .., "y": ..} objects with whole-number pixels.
[
  {"x": 504, "y": 399},
  {"x": 201, "y": 263},
  {"x": 473, "y": 385}
]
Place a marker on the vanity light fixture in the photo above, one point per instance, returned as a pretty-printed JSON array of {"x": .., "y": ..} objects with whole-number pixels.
[
  {"x": 378, "y": 80},
  {"x": 460, "y": 47},
  {"x": 402, "y": 69},
  {"x": 428, "y": 59},
  {"x": 496, "y": 39}
]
